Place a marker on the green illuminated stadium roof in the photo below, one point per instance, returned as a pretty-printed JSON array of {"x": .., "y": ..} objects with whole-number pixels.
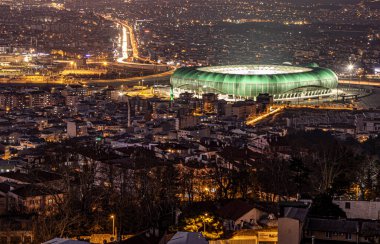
[{"x": 251, "y": 80}]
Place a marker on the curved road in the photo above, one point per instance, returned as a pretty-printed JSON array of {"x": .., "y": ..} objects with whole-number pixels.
[
  {"x": 120, "y": 62},
  {"x": 360, "y": 83}
]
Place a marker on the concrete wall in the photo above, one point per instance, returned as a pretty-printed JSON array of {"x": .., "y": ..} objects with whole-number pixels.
[
  {"x": 71, "y": 129},
  {"x": 288, "y": 231},
  {"x": 360, "y": 209}
]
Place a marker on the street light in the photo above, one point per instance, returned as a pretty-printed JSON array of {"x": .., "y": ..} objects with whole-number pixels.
[
  {"x": 72, "y": 64},
  {"x": 350, "y": 67},
  {"x": 113, "y": 224}
]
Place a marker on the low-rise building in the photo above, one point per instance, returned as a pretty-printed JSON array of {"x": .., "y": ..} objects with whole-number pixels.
[
  {"x": 332, "y": 230},
  {"x": 194, "y": 133},
  {"x": 369, "y": 210},
  {"x": 291, "y": 225},
  {"x": 238, "y": 215},
  {"x": 31, "y": 198}
]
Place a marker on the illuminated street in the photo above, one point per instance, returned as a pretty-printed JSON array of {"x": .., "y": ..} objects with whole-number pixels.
[
  {"x": 124, "y": 44},
  {"x": 360, "y": 83},
  {"x": 255, "y": 119}
]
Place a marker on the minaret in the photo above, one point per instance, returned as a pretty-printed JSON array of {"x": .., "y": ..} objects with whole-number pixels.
[{"x": 129, "y": 112}]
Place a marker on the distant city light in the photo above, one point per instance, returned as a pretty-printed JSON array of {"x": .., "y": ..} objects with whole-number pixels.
[{"x": 27, "y": 59}]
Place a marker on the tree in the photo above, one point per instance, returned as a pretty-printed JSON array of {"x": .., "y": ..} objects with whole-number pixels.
[
  {"x": 223, "y": 178},
  {"x": 323, "y": 206},
  {"x": 366, "y": 178},
  {"x": 333, "y": 164},
  {"x": 369, "y": 174},
  {"x": 274, "y": 177},
  {"x": 140, "y": 190},
  {"x": 245, "y": 180},
  {"x": 187, "y": 183},
  {"x": 206, "y": 223},
  {"x": 299, "y": 174}
]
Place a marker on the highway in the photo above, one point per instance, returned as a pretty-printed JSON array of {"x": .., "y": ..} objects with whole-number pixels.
[
  {"x": 136, "y": 55},
  {"x": 255, "y": 119},
  {"x": 252, "y": 120},
  {"x": 360, "y": 83},
  {"x": 132, "y": 38},
  {"x": 144, "y": 64},
  {"x": 156, "y": 77}
]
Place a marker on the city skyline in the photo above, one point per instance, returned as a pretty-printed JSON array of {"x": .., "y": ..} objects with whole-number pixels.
[{"x": 189, "y": 121}]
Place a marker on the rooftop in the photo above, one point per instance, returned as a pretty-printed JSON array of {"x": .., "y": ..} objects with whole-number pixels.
[
  {"x": 332, "y": 225},
  {"x": 64, "y": 241},
  {"x": 255, "y": 69},
  {"x": 32, "y": 190},
  {"x": 235, "y": 209},
  {"x": 37, "y": 176},
  {"x": 187, "y": 237}
]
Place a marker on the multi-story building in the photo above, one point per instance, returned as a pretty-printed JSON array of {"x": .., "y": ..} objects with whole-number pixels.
[
  {"x": 186, "y": 121},
  {"x": 72, "y": 100},
  {"x": 194, "y": 133},
  {"x": 13, "y": 100},
  {"x": 241, "y": 109},
  {"x": 40, "y": 99},
  {"x": 75, "y": 129}
]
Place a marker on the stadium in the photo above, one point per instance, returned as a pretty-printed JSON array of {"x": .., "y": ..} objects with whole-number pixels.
[{"x": 284, "y": 82}]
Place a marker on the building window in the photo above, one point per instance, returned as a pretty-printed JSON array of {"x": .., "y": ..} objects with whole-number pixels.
[
  {"x": 348, "y": 236},
  {"x": 347, "y": 205},
  {"x": 328, "y": 234}
]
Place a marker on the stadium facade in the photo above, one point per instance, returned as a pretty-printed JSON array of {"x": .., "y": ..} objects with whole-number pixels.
[{"x": 284, "y": 82}]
